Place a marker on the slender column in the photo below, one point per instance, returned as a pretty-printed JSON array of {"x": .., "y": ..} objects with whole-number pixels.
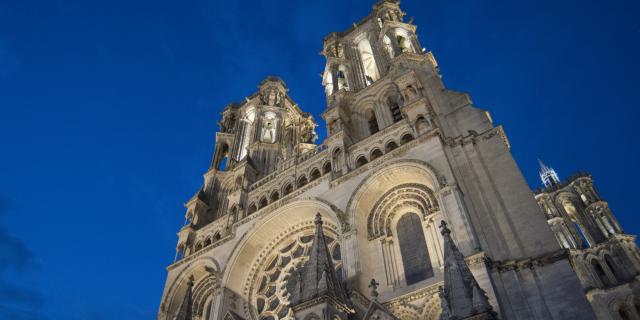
[{"x": 385, "y": 262}]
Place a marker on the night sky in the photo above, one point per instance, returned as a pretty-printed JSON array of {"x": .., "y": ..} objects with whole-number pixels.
[{"x": 108, "y": 111}]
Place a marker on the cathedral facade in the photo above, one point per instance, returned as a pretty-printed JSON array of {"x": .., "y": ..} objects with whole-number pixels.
[{"x": 411, "y": 208}]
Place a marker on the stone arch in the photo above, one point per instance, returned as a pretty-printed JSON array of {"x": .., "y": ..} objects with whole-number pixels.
[
  {"x": 407, "y": 137},
  {"x": 275, "y": 195},
  {"x": 392, "y": 100},
  {"x": 613, "y": 267},
  {"x": 326, "y": 168},
  {"x": 287, "y": 189},
  {"x": 266, "y": 234},
  {"x": 372, "y": 121},
  {"x": 361, "y": 161},
  {"x": 263, "y": 202},
  {"x": 252, "y": 208},
  {"x": 302, "y": 181},
  {"x": 373, "y": 188},
  {"x": 375, "y": 154},
  {"x": 601, "y": 275},
  {"x": 315, "y": 174},
  {"x": 416, "y": 197},
  {"x": 206, "y": 273},
  {"x": 422, "y": 124},
  {"x": 390, "y": 146}
]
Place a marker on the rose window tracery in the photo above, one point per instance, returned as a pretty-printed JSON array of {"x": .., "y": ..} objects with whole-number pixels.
[{"x": 278, "y": 275}]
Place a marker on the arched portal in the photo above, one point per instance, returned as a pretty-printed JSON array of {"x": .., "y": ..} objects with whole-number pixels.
[{"x": 377, "y": 207}]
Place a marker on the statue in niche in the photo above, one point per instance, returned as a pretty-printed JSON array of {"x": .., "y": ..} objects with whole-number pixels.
[
  {"x": 338, "y": 50},
  {"x": 269, "y": 128},
  {"x": 410, "y": 93},
  {"x": 387, "y": 46},
  {"x": 271, "y": 97}
]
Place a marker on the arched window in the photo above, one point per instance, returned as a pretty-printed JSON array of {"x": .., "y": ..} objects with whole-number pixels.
[
  {"x": 613, "y": 267},
  {"x": 368, "y": 62},
  {"x": 391, "y": 146},
  {"x": 263, "y": 202},
  {"x": 413, "y": 249},
  {"x": 302, "y": 181},
  {"x": 406, "y": 138},
  {"x": 394, "y": 107},
  {"x": 326, "y": 168},
  {"x": 275, "y": 196},
  {"x": 375, "y": 154},
  {"x": 362, "y": 160},
  {"x": 422, "y": 125},
  {"x": 343, "y": 83},
  {"x": 222, "y": 157},
  {"x": 315, "y": 174},
  {"x": 252, "y": 208},
  {"x": 602, "y": 276},
  {"x": 287, "y": 189},
  {"x": 372, "y": 121}
]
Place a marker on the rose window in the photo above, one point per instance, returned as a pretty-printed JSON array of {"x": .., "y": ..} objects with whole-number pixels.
[{"x": 277, "y": 276}]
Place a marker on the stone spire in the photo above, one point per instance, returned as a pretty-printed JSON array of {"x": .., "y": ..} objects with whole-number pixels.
[
  {"x": 318, "y": 276},
  {"x": 185, "y": 312},
  {"x": 548, "y": 176},
  {"x": 462, "y": 296}
]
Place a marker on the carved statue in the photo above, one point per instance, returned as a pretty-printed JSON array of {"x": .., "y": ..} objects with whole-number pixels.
[
  {"x": 271, "y": 97},
  {"x": 269, "y": 132}
]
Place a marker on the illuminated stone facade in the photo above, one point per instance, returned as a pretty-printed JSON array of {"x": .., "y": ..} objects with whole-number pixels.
[{"x": 403, "y": 154}]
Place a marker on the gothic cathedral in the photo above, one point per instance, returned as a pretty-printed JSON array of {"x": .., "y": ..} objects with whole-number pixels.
[{"x": 411, "y": 208}]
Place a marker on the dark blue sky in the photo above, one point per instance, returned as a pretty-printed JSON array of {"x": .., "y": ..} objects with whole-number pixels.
[{"x": 108, "y": 112}]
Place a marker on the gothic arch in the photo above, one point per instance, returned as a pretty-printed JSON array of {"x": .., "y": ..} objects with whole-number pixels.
[
  {"x": 416, "y": 197},
  {"x": 375, "y": 186},
  {"x": 206, "y": 273},
  {"x": 266, "y": 233},
  {"x": 412, "y": 169}
]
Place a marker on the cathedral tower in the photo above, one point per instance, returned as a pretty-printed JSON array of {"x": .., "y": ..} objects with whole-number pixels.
[
  {"x": 283, "y": 228},
  {"x": 606, "y": 260}
]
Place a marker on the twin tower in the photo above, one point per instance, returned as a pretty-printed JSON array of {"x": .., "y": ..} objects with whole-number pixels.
[{"x": 411, "y": 208}]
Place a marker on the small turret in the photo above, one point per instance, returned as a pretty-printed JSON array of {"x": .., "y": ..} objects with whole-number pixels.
[{"x": 548, "y": 175}]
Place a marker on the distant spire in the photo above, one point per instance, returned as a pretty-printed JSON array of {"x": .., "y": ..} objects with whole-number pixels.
[
  {"x": 548, "y": 175},
  {"x": 185, "y": 312},
  {"x": 462, "y": 297},
  {"x": 318, "y": 278}
]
